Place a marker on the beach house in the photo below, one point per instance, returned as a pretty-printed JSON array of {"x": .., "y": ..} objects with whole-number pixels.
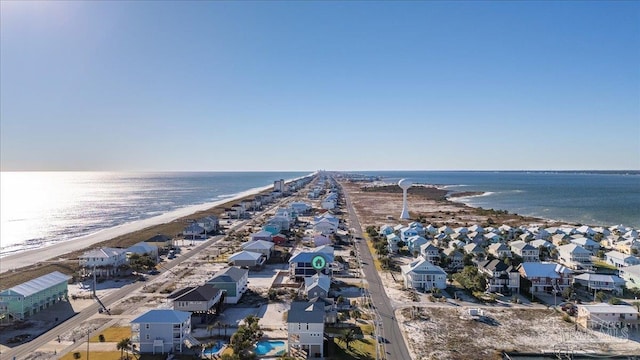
[
  {"x": 430, "y": 252},
  {"x": 421, "y": 274},
  {"x": 261, "y": 235},
  {"x": 454, "y": 257},
  {"x": 259, "y": 246},
  {"x": 546, "y": 276},
  {"x": 105, "y": 262},
  {"x": 524, "y": 250},
  {"x": 305, "y": 325},
  {"x": 143, "y": 248},
  {"x": 21, "y": 301},
  {"x": 587, "y": 244},
  {"x": 604, "y": 316},
  {"x": 499, "y": 250},
  {"x": 631, "y": 276},
  {"x": 414, "y": 243},
  {"x": 606, "y": 282},
  {"x": 501, "y": 278},
  {"x": 392, "y": 243},
  {"x": 247, "y": 259},
  {"x": 203, "y": 299},
  {"x": 162, "y": 331},
  {"x": 306, "y": 264},
  {"x": 233, "y": 281},
  {"x": 193, "y": 231},
  {"x": 160, "y": 241},
  {"x": 317, "y": 286},
  {"x": 575, "y": 257},
  {"x": 620, "y": 260}
]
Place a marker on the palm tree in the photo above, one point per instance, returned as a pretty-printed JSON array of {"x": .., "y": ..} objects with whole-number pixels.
[
  {"x": 636, "y": 304},
  {"x": 123, "y": 345},
  {"x": 347, "y": 337}
]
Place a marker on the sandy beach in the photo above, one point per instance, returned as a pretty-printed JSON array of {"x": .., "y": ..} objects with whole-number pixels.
[{"x": 56, "y": 250}]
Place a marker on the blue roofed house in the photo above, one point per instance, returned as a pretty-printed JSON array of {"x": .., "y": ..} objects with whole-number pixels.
[
  {"x": 21, "y": 301},
  {"x": 386, "y": 230},
  {"x": 407, "y": 232},
  {"x": 233, "y": 281},
  {"x": 430, "y": 252},
  {"x": 162, "y": 332},
  {"x": 300, "y": 264},
  {"x": 392, "y": 243},
  {"x": 546, "y": 276},
  {"x": 260, "y": 246}
]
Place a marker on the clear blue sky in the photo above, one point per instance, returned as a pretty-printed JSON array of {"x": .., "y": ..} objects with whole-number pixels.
[{"x": 143, "y": 85}]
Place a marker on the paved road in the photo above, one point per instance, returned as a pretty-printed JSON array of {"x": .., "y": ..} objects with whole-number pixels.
[
  {"x": 22, "y": 351},
  {"x": 395, "y": 348}
]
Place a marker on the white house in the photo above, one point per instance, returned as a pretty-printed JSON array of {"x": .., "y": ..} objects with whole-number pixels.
[
  {"x": 325, "y": 227},
  {"x": 430, "y": 252},
  {"x": 392, "y": 243},
  {"x": 575, "y": 257},
  {"x": 162, "y": 331},
  {"x": 305, "y": 325},
  {"x": 499, "y": 250},
  {"x": 604, "y": 316},
  {"x": 259, "y": 246},
  {"x": 619, "y": 259},
  {"x": 407, "y": 232},
  {"x": 106, "y": 261},
  {"x": 261, "y": 235},
  {"x": 421, "y": 274},
  {"x": 142, "y": 248},
  {"x": 611, "y": 283},
  {"x": 386, "y": 230},
  {"x": 631, "y": 276},
  {"x": 527, "y": 252},
  {"x": 588, "y": 244},
  {"x": 246, "y": 259},
  {"x": 193, "y": 231}
]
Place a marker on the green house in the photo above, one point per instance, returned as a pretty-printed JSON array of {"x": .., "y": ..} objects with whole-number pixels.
[{"x": 26, "y": 299}]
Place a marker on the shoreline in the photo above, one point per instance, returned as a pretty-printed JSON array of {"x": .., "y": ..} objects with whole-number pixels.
[{"x": 29, "y": 257}]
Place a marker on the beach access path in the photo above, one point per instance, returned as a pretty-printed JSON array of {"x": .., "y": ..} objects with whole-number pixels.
[{"x": 391, "y": 334}]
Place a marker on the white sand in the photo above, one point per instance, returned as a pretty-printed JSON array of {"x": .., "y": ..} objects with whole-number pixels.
[{"x": 30, "y": 257}]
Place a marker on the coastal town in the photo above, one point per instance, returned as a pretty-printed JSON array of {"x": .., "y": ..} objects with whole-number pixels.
[{"x": 334, "y": 266}]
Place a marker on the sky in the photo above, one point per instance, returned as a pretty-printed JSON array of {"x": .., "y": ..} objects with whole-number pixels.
[{"x": 147, "y": 86}]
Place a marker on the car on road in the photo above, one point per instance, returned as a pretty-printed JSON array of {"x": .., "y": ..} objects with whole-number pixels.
[{"x": 153, "y": 272}]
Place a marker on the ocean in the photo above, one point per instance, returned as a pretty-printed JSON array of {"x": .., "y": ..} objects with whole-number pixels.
[
  {"x": 41, "y": 208},
  {"x": 600, "y": 198}
]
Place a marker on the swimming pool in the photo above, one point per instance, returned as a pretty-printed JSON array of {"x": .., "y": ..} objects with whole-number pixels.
[
  {"x": 215, "y": 349},
  {"x": 264, "y": 347}
]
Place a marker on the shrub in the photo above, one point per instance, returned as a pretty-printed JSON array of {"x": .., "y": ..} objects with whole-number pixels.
[
  {"x": 101, "y": 338},
  {"x": 76, "y": 355}
]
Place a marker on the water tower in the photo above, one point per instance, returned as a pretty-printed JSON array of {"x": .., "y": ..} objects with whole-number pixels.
[{"x": 404, "y": 185}]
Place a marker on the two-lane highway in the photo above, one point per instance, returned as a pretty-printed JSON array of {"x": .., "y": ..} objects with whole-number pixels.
[{"x": 395, "y": 345}]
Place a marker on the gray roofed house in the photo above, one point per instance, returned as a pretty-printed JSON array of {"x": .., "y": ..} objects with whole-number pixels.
[
  {"x": 196, "y": 298},
  {"x": 305, "y": 325},
  {"x": 162, "y": 331},
  {"x": 317, "y": 285},
  {"x": 233, "y": 281},
  {"x": 502, "y": 278}
]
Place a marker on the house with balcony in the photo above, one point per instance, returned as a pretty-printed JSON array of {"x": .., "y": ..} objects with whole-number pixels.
[
  {"x": 193, "y": 231},
  {"x": 430, "y": 252},
  {"x": 414, "y": 243},
  {"x": 605, "y": 316},
  {"x": 455, "y": 257},
  {"x": 501, "y": 278},
  {"x": 301, "y": 265},
  {"x": 499, "y": 250},
  {"x": 575, "y": 257},
  {"x": 210, "y": 224},
  {"x": 620, "y": 260},
  {"x": 106, "y": 262},
  {"x": 305, "y": 325},
  {"x": 591, "y": 246},
  {"x": 421, "y": 274},
  {"x": 527, "y": 252},
  {"x": 22, "y": 301},
  {"x": 599, "y": 282},
  {"x": 232, "y": 281},
  {"x": 162, "y": 332},
  {"x": 204, "y": 300},
  {"x": 546, "y": 276},
  {"x": 392, "y": 243},
  {"x": 631, "y": 276}
]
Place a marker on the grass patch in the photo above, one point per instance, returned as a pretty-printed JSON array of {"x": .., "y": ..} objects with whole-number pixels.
[
  {"x": 376, "y": 261},
  {"x": 358, "y": 349},
  {"x": 113, "y": 334},
  {"x": 604, "y": 265}
]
